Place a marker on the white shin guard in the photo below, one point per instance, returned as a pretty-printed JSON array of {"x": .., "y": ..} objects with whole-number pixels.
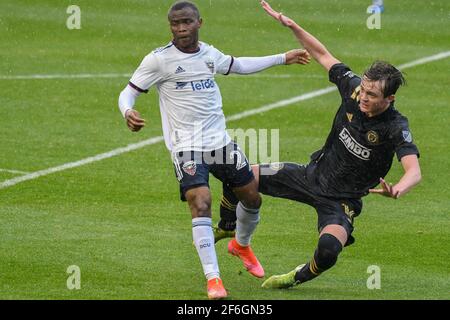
[{"x": 203, "y": 236}]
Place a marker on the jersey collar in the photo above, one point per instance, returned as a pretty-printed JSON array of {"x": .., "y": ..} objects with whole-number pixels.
[{"x": 193, "y": 52}]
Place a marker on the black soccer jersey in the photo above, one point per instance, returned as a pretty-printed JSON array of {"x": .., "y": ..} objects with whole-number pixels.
[{"x": 359, "y": 149}]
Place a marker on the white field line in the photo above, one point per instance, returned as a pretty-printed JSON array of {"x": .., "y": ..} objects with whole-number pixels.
[
  {"x": 99, "y": 157},
  {"x": 241, "y": 115},
  {"x": 65, "y": 76},
  {"x": 425, "y": 60},
  {"x": 439, "y": 56},
  {"x": 280, "y": 104},
  {"x": 13, "y": 171},
  {"x": 126, "y": 75}
]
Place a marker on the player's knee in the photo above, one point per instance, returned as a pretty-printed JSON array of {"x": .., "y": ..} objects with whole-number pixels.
[
  {"x": 249, "y": 195},
  {"x": 200, "y": 205},
  {"x": 201, "y": 209},
  {"x": 253, "y": 201},
  {"x": 328, "y": 251}
]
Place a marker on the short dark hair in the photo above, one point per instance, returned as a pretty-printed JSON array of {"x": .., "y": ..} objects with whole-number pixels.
[
  {"x": 180, "y": 5},
  {"x": 387, "y": 73}
]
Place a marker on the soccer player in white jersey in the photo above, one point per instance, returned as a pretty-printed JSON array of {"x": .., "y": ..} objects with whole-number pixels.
[{"x": 195, "y": 133}]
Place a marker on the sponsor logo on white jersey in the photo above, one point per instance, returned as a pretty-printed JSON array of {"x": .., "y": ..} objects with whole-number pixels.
[
  {"x": 180, "y": 85},
  {"x": 197, "y": 85},
  {"x": 354, "y": 147},
  {"x": 202, "y": 84}
]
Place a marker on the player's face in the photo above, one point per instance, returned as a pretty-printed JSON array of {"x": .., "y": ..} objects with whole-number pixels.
[
  {"x": 184, "y": 25},
  {"x": 371, "y": 98}
]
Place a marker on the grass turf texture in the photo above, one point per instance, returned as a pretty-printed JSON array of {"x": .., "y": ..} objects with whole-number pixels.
[{"x": 120, "y": 219}]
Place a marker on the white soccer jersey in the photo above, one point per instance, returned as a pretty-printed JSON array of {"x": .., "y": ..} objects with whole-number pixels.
[{"x": 189, "y": 98}]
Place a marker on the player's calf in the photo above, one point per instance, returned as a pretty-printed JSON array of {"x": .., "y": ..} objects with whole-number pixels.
[
  {"x": 228, "y": 206},
  {"x": 227, "y": 224},
  {"x": 325, "y": 257}
]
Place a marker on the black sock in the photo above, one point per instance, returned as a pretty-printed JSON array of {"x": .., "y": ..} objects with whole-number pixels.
[
  {"x": 228, "y": 209},
  {"x": 324, "y": 258}
]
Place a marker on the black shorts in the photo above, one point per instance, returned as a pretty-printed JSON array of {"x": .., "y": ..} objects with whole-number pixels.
[
  {"x": 292, "y": 181},
  {"x": 229, "y": 165}
]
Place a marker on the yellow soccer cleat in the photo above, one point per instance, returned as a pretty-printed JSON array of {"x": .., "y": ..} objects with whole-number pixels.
[
  {"x": 282, "y": 281},
  {"x": 220, "y": 234}
]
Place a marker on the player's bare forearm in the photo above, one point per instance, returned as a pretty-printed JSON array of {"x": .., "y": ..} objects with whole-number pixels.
[
  {"x": 317, "y": 50},
  {"x": 407, "y": 182},
  {"x": 412, "y": 174},
  {"x": 411, "y": 178}
]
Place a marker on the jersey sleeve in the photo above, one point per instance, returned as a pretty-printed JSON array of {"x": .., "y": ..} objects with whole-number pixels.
[
  {"x": 147, "y": 74},
  {"x": 344, "y": 78},
  {"x": 223, "y": 62},
  {"x": 403, "y": 140}
]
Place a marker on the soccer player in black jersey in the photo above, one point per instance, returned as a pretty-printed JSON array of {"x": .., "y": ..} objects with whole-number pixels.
[{"x": 367, "y": 131}]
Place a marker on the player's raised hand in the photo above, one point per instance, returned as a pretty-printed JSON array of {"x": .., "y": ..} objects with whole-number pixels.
[
  {"x": 386, "y": 190},
  {"x": 299, "y": 56},
  {"x": 134, "y": 120},
  {"x": 285, "y": 21}
]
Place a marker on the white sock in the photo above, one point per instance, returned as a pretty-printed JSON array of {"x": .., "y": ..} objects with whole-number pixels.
[
  {"x": 377, "y": 2},
  {"x": 247, "y": 220},
  {"x": 203, "y": 236}
]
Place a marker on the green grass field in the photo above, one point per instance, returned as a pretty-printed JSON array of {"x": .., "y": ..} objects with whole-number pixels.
[{"x": 120, "y": 219}]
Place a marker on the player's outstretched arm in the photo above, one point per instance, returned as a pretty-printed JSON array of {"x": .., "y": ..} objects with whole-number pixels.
[
  {"x": 248, "y": 65},
  {"x": 308, "y": 41},
  {"x": 411, "y": 178}
]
